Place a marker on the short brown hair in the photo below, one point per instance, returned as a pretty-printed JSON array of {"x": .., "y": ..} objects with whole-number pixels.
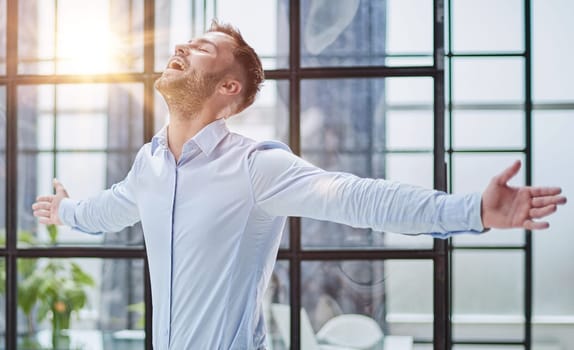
[{"x": 247, "y": 58}]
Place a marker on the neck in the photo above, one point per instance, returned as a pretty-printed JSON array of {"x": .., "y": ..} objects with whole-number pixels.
[{"x": 184, "y": 126}]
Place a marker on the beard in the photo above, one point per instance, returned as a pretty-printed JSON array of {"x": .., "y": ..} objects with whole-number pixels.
[{"x": 189, "y": 90}]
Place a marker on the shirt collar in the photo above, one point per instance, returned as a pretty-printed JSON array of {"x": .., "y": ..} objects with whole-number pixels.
[{"x": 206, "y": 139}]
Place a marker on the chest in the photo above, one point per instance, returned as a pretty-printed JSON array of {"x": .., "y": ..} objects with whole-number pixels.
[{"x": 200, "y": 191}]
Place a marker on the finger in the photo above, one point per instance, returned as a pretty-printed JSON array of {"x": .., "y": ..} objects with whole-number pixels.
[
  {"x": 44, "y": 198},
  {"x": 45, "y": 221},
  {"x": 538, "y": 213},
  {"x": 538, "y": 202},
  {"x": 508, "y": 173},
  {"x": 42, "y": 213},
  {"x": 59, "y": 187},
  {"x": 42, "y": 205},
  {"x": 545, "y": 191},
  {"x": 535, "y": 225}
]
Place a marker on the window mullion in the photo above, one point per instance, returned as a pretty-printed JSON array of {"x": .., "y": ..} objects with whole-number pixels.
[{"x": 11, "y": 174}]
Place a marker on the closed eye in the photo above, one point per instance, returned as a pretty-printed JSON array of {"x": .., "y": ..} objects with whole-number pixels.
[{"x": 202, "y": 45}]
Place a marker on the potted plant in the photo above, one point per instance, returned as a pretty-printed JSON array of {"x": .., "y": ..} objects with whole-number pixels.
[
  {"x": 27, "y": 289},
  {"x": 57, "y": 289}
]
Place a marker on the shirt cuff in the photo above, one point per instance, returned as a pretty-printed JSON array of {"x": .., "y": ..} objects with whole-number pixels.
[
  {"x": 67, "y": 211},
  {"x": 466, "y": 210},
  {"x": 461, "y": 214}
]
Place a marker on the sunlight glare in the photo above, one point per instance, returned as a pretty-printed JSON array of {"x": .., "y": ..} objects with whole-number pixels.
[{"x": 89, "y": 49}]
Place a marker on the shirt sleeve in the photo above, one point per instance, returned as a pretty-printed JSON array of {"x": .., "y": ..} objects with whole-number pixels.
[
  {"x": 286, "y": 185},
  {"x": 110, "y": 211}
]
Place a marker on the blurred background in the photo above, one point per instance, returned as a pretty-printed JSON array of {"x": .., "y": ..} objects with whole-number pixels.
[{"x": 440, "y": 94}]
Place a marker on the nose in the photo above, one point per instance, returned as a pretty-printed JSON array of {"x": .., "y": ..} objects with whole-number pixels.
[{"x": 182, "y": 49}]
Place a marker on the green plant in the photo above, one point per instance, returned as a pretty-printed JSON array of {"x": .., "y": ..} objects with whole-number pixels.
[
  {"x": 57, "y": 289},
  {"x": 61, "y": 291},
  {"x": 27, "y": 289},
  {"x": 138, "y": 308},
  {"x": 26, "y": 293}
]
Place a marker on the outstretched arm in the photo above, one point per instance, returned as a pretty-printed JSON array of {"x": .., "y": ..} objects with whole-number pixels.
[
  {"x": 286, "y": 185},
  {"x": 504, "y": 206},
  {"x": 109, "y": 211}
]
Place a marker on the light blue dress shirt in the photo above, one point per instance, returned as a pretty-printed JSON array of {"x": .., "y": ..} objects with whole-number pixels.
[{"x": 212, "y": 224}]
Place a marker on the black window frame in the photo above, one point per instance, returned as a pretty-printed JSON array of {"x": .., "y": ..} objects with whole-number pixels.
[
  {"x": 526, "y": 108},
  {"x": 440, "y": 254}
]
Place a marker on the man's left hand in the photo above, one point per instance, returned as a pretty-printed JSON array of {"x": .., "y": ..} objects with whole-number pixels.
[{"x": 504, "y": 206}]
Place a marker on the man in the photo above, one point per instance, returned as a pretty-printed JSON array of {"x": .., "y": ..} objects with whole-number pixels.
[{"x": 213, "y": 203}]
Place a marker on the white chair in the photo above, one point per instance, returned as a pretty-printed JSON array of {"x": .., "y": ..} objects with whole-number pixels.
[
  {"x": 356, "y": 331},
  {"x": 360, "y": 332},
  {"x": 282, "y": 315}
]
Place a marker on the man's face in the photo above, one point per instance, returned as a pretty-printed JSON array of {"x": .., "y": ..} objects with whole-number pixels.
[{"x": 192, "y": 73}]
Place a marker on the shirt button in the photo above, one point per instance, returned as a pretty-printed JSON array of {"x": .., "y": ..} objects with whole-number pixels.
[{"x": 166, "y": 332}]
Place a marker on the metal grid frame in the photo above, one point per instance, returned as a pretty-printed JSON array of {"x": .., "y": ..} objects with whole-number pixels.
[
  {"x": 441, "y": 252},
  {"x": 526, "y": 248},
  {"x": 11, "y": 253}
]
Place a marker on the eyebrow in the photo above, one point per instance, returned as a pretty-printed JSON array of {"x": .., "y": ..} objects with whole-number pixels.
[{"x": 203, "y": 41}]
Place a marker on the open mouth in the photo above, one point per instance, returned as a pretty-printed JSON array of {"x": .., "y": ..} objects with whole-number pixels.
[{"x": 176, "y": 64}]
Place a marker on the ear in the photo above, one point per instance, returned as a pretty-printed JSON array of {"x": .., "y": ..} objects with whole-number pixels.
[{"x": 230, "y": 87}]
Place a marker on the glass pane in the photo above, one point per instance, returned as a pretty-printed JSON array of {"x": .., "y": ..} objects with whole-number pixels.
[
  {"x": 409, "y": 298},
  {"x": 2, "y": 165},
  {"x": 476, "y": 23},
  {"x": 409, "y": 32},
  {"x": 82, "y": 116},
  {"x": 553, "y": 300},
  {"x": 3, "y": 32},
  {"x": 488, "y": 295},
  {"x": 408, "y": 130},
  {"x": 276, "y": 309},
  {"x": 341, "y": 299},
  {"x": 486, "y": 129},
  {"x": 344, "y": 128},
  {"x": 72, "y": 37},
  {"x": 268, "y": 35},
  {"x": 342, "y": 33},
  {"x": 351, "y": 33},
  {"x": 415, "y": 168},
  {"x": 81, "y": 304},
  {"x": 178, "y": 21},
  {"x": 488, "y": 80},
  {"x": 552, "y": 50},
  {"x": 409, "y": 93},
  {"x": 472, "y": 173},
  {"x": 268, "y": 117},
  {"x": 87, "y": 136}
]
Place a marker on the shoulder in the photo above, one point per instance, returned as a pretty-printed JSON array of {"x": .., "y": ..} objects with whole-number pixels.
[
  {"x": 143, "y": 154},
  {"x": 270, "y": 145},
  {"x": 268, "y": 151},
  {"x": 273, "y": 159}
]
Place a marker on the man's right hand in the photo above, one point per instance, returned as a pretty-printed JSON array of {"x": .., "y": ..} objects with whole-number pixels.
[{"x": 46, "y": 207}]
